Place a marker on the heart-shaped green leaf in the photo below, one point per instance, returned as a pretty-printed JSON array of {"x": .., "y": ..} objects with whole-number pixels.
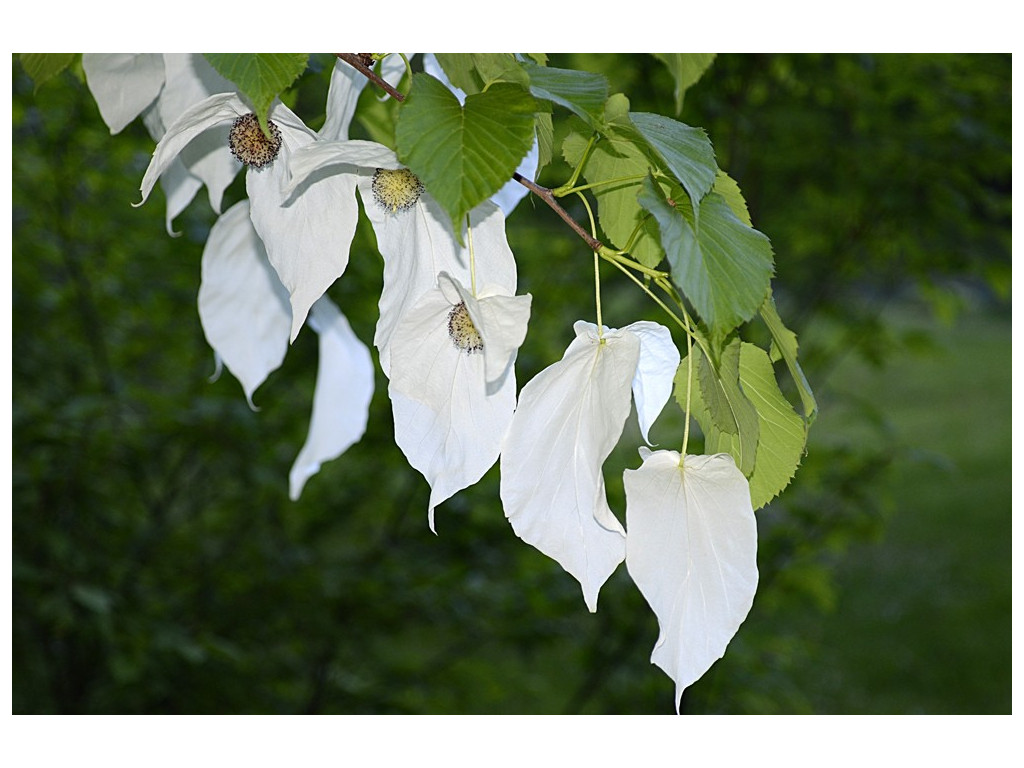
[
  {"x": 464, "y": 154},
  {"x": 261, "y": 77}
]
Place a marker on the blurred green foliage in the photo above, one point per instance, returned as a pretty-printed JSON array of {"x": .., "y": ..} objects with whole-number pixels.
[{"x": 158, "y": 566}]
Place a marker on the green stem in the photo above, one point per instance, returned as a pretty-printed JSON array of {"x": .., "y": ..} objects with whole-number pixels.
[
  {"x": 689, "y": 385},
  {"x": 579, "y": 166},
  {"x": 654, "y": 297},
  {"x": 620, "y": 256},
  {"x": 569, "y": 187},
  {"x": 472, "y": 257}
]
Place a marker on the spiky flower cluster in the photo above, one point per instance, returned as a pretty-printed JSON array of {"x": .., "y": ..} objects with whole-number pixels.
[
  {"x": 250, "y": 144},
  {"x": 396, "y": 190},
  {"x": 461, "y": 330}
]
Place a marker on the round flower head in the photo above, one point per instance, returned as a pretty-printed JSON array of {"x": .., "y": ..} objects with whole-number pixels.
[
  {"x": 461, "y": 330},
  {"x": 396, "y": 190},
  {"x": 250, "y": 144}
]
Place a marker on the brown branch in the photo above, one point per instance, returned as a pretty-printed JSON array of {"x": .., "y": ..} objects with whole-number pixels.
[
  {"x": 545, "y": 194},
  {"x": 358, "y": 61}
]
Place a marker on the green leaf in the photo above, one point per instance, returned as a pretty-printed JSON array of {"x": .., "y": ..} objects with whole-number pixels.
[
  {"x": 476, "y": 72},
  {"x": 715, "y": 396},
  {"x": 583, "y": 93},
  {"x": 261, "y": 77},
  {"x": 686, "y": 151},
  {"x": 741, "y": 441},
  {"x": 545, "y": 140},
  {"x": 727, "y": 187},
  {"x": 721, "y": 265},
  {"x": 767, "y": 437},
  {"x": 784, "y": 340},
  {"x": 617, "y": 159},
  {"x": 782, "y": 434},
  {"x": 45, "y": 66},
  {"x": 734, "y": 417},
  {"x": 464, "y": 154},
  {"x": 686, "y": 69}
]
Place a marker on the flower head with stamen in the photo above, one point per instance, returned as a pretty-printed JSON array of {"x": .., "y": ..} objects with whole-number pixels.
[
  {"x": 307, "y": 240},
  {"x": 250, "y": 145},
  {"x": 462, "y": 332},
  {"x": 452, "y": 384},
  {"x": 396, "y": 189}
]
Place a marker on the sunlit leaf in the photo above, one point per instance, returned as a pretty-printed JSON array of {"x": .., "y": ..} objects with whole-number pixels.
[
  {"x": 784, "y": 340},
  {"x": 464, "y": 154},
  {"x": 719, "y": 263},
  {"x": 734, "y": 426},
  {"x": 474, "y": 72},
  {"x": 726, "y": 186},
  {"x": 616, "y": 158},
  {"x": 781, "y": 432}
]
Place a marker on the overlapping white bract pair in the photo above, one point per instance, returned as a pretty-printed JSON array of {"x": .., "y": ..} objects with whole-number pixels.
[{"x": 691, "y": 541}]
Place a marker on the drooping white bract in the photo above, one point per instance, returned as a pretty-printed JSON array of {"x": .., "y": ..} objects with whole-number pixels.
[
  {"x": 246, "y": 318},
  {"x": 341, "y": 399},
  {"x": 655, "y": 372},
  {"x": 308, "y": 240},
  {"x": 691, "y": 548},
  {"x": 453, "y": 387},
  {"x": 161, "y": 87},
  {"x": 568, "y": 420},
  {"x": 414, "y": 234},
  {"x": 123, "y": 84},
  {"x": 242, "y": 305}
]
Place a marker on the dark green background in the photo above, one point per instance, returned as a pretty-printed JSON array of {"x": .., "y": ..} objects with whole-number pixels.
[{"x": 158, "y": 566}]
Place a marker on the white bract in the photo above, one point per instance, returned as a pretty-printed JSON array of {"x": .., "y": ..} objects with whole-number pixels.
[
  {"x": 246, "y": 318},
  {"x": 161, "y": 87},
  {"x": 308, "y": 241},
  {"x": 341, "y": 399},
  {"x": 451, "y": 405},
  {"x": 448, "y": 334},
  {"x": 347, "y": 84},
  {"x": 242, "y": 305},
  {"x": 569, "y": 418},
  {"x": 691, "y": 548},
  {"x": 453, "y": 387}
]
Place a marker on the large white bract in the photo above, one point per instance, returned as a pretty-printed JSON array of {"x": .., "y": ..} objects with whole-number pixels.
[{"x": 691, "y": 548}]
